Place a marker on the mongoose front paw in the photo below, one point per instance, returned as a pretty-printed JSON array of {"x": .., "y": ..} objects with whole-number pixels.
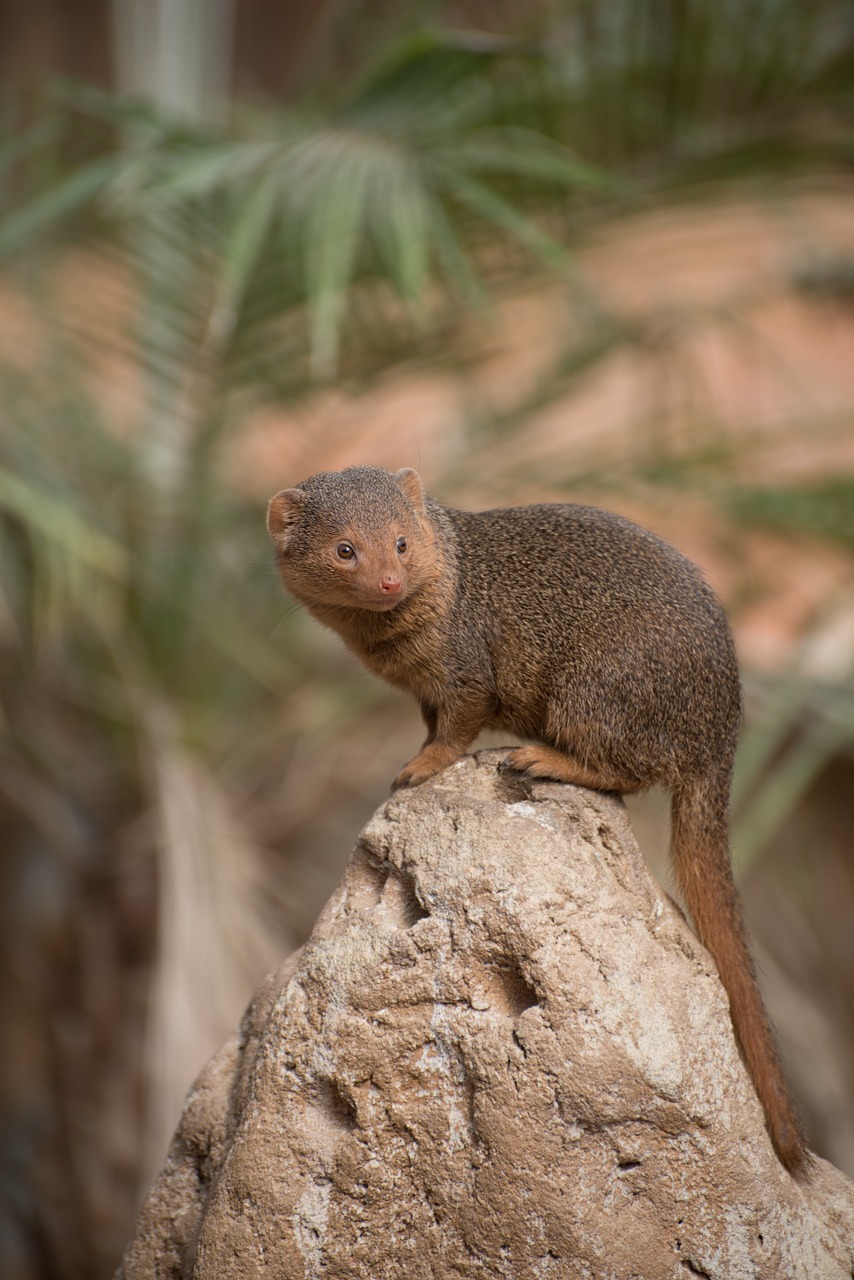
[
  {"x": 429, "y": 761},
  {"x": 409, "y": 777}
]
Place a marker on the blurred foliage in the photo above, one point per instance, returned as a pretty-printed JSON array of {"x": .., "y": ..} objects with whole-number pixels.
[
  {"x": 824, "y": 508},
  {"x": 804, "y": 721},
  {"x": 828, "y": 278},
  {"x": 799, "y": 726},
  {"x": 155, "y": 690}
]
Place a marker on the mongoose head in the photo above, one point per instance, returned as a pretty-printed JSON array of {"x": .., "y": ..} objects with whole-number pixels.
[{"x": 357, "y": 539}]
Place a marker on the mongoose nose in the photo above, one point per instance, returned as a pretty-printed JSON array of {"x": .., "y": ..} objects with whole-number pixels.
[{"x": 390, "y": 586}]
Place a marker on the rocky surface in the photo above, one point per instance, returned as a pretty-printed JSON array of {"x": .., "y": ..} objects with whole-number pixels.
[{"x": 501, "y": 1053}]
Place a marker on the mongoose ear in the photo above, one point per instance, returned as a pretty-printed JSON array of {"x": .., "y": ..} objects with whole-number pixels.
[
  {"x": 283, "y": 512},
  {"x": 409, "y": 483}
]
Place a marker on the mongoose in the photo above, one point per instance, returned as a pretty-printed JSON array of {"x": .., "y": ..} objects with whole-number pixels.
[{"x": 566, "y": 625}]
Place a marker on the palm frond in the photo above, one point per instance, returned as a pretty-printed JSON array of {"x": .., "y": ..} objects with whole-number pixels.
[
  {"x": 73, "y": 193},
  {"x": 786, "y": 745}
]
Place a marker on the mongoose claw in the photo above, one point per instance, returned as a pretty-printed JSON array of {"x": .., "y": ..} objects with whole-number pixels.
[
  {"x": 409, "y": 777},
  {"x": 524, "y": 760},
  {"x": 507, "y": 766},
  {"x": 431, "y": 759}
]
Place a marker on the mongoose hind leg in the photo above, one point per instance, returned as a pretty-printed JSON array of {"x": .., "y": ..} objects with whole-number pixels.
[{"x": 548, "y": 762}]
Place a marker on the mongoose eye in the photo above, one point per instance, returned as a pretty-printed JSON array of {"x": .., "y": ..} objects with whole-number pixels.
[
  {"x": 401, "y": 545},
  {"x": 344, "y": 551}
]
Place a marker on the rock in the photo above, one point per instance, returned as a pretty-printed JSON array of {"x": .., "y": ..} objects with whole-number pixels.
[{"x": 501, "y": 1053}]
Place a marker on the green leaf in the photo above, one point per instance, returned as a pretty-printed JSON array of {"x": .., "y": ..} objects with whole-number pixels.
[
  {"x": 62, "y": 526},
  {"x": 27, "y": 143},
  {"x": 501, "y": 213},
  {"x": 48, "y": 209},
  {"x": 825, "y": 508},
  {"x": 522, "y": 152},
  {"x": 399, "y": 213},
  {"x": 242, "y": 250},
  {"x": 783, "y": 788},
  {"x": 455, "y": 262},
  {"x": 423, "y": 69},
  {"x": 330, "y": 207}
]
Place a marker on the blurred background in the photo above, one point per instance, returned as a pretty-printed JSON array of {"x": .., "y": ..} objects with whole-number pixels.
[{"x": 541, "y": 251}]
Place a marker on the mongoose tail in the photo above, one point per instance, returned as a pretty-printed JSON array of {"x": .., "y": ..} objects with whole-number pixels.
[{"x": 701, "y": 861}]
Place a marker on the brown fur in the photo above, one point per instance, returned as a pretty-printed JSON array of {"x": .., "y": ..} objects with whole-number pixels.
[{"x": 566, "y": 625}]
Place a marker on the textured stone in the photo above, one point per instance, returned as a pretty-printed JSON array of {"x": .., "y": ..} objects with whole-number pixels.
[{"x": 501, "y": 1053}]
